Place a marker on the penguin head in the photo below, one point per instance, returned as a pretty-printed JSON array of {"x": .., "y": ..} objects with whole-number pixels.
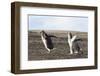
[
  {"x": 69, "y": 35},
  {"x": 42, "y": 32}
]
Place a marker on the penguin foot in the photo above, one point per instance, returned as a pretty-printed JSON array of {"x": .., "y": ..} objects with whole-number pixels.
[
  {"x": 54, "y": 48},
  {"x": 71, "y": 52},
  {"x": 76, "y": 52}
]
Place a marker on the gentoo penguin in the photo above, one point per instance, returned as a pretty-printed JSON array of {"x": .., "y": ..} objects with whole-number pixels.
[
  {"x": 47, "y": 41},
  {"x": 74, "y": 44},
  {"x": 70, "y": 41}
]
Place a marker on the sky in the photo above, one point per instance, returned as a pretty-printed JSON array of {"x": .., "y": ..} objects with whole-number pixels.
[{"x": 66, "y": 23}]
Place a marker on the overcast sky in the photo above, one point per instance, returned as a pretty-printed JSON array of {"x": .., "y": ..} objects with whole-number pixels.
[{"x": 68, "y": 23}]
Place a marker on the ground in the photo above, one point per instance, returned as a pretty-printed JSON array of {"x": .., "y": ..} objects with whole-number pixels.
[{"x": 37, "y": 51}]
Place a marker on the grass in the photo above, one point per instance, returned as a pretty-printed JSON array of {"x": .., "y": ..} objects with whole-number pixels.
[{"x": 37, "y": 51}]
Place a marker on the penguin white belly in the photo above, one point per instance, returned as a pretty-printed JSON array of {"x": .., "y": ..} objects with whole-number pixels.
[
  {"x": 45, "y": 43},
  {"x": 70, "y": 45}
]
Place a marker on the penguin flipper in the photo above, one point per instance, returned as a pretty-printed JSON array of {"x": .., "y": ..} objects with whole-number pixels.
[{"x": 73, "y": 38}]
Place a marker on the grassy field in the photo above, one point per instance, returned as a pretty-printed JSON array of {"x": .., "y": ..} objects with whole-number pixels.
[{"x": 37, "y": 51}]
